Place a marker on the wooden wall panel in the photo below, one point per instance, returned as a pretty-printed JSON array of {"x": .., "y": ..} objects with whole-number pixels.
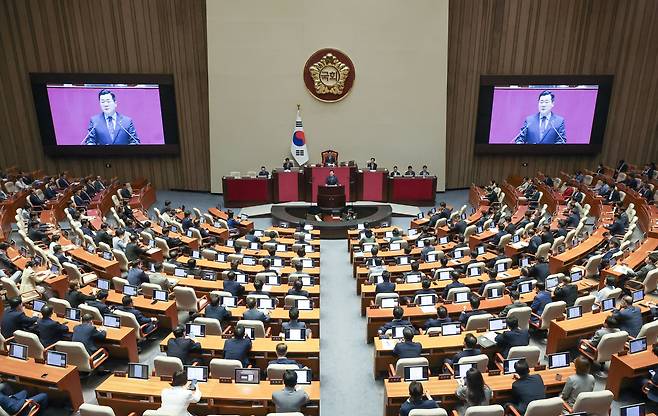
[
  {"x": 502, "y": 37},
  {"x": 111, "y": 36}
]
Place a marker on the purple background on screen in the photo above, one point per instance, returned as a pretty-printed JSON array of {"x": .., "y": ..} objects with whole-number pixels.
[
  {"x": 511, "y": 106},
  {"x": 72, "y": 107}
]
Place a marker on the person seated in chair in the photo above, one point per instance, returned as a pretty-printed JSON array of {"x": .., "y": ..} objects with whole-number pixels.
[
  {"x": 298, "y": 289},
  {"x": 50, "y": 331},
  {"x": 410, "y": 171},
  {"x": 372, "y": 165},
  {"x": 293, "y": 322},
  {"x": 287, "y": 164},
  {"x": 441, "y": 318},
  {"x": 87, "y": 334},
  {"x": 526, "y": 388},
  {"x": 127, "y": 306},
  {"x": 398, "y": 315},
  {"x": 426, "y": 284},
  {"x": 395, "y": 172},
  {"x": 330, "y": 159},
  {"x": 216, "y": 311},
  {"x": 491, "y": 273},
  {"x": 516, "y": 303},
  {"x": 238, "y": 347},
  {"x": 408, "y": 348},
  {"x": 100, "y": 302},
  {"x": 629, "y": 316},
  {"x": 14, "y": 402},
  {"x": 254, "y": 314},
  {"x": 424, "y": 172},
  {"x": 75, "y": 297},
  {"x": 453, "y": 285},
  {"x": 231, "y": 286},
  {"x": 263, "y": 173},
  {"x": 181, "y": 346},
  {"x": 386, "y": 286},
  {"x": 418, "y": 399},
  {"x": 513, "y": 337},
  {"x": 565, "y": 291},
  {"x": 281, "y": 356},
  {"x": 474, "y": 300},
  {"x": 291, "y": 399}
]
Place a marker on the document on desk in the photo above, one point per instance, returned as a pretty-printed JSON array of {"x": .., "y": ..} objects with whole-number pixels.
[
  {"x": 428, "y": 309},
  {"x": 621, "y": 269},
  {"x": 487, "y": 340},
  {"x": 520, "y": 244},
  {"x": 388, "y": 344}
]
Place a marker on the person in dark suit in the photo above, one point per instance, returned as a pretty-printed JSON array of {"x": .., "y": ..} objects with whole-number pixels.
[
  {"x": 527, "y": 388},
  {"x": 263, "y": 173},
  {"x": 539, "y": 270},
  {"x": 110, "y": 127},
  {"x": 35, "y": 200},
  {"x": 287, "y": 164},
  {"x": 408, "y": 348},
  {"x": 49, "y": 191},
  {"x": 542, "y": 298},
  {"x": 513, "y": 337},
  {"x": 547, "y": 235},
  {"x": 298, "y": 289},
  {"x": 372, "y": 165},
  {"x": 231, "y": 286},
  {"x": 426, "y": 284},
  {"x": 330, "y": 159},
  {"x": 103, "y": 236},
  {"x": 238, "y": 347},
  {"x": 474, "y": 300},
  {"x": 99, "y": 303},
  {"x": 565, "y": 291},
  {"x": 410, "y": 171},
  {"x": 281, "y": 356},
  {"x": 14, "y": 318},
  {"x": 181, "y": 346},
  {"x": 395, "y": 172},
  {"x": 254, "y": 314},
  {"x": 293, "y": 320},
  {"x": 75, "y": 297},
  {"x": 492, "y": 279},
  {"x": 50, "y": 331},
  {"x": 417, "y": 399},
  {"x": 398, "y": 320},
  {"x": 458, "y": 227},
  {"x": 36, "y": 234},
  {"x": 215, "y": 310},
  {"x": 453, "y": 285},
  {"x": 629, "y": 316},
  {"x": 125, "y": 191},
  {"x": 137, "y": 275},
  {"x": 331, "y": 179},
  {"x": 386, "y": 286},
  {"x": 501, "y": 232},
  {"x": 87, "y": 334},
  {"x": 614, "y": 196},
  {"x": 534, "y": 242},
  {"x": 127, "y": 306},
  {"x": 441, "y": 318},
  {"x": 617, "y": 227},
  {"x": 544, "y": 127},
  {"x": 13, "y": 403},
  {"x": 62, "y": 183},
  {"x": 470, "y": 349},
  {"x": 561, "y": 228},
  {"x": 187, "y": 220},
  {"x": 133, "y": 249}
]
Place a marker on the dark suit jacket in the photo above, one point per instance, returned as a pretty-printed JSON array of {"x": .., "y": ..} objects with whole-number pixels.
[
  {"x": 466, "y": 352},
  {"x": 509, "y": 339},
  {"x": 332, "y": 180},
  {"x": 182, "y": 348},
  {"x": 141, "y": 319},
  {"x": 630, "y": 320},
  {"x": 75, "y": 298},
  {"x": 539, "y": 271},
  {"x": 233, "y": 287},
  {"x": 217, "y": 312},
  {"x": 385, "y": 287},
  {"x": 102, "y": 308},
  {"x": 88, "y": 335},
  {"x": 237, "y": 349},
  {"x": 104, "y": 237},
  {"x": 436, "y": 322},
  {"x": 50, "y": 331},
  {"x": 568, "y": 294},
  {"x": 526, "y": 390},
  {"x": 133, "y": 251},
  {"x": 452, "y": 285},
  {"x": 407, "y": 349},
  {"x": 137, "y": 276},
  {"x": 255, "y": 315},
  {"x": 534, "y": 243},
  {"x": 554, "y": 129},
  {"x": 100, "y": 135},
  {"x": 616, "y": 227}
]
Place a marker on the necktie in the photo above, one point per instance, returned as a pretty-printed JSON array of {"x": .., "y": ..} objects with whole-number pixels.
[
  {"x": 542, "y": 126},
  {"x": 110, "y": 126}
]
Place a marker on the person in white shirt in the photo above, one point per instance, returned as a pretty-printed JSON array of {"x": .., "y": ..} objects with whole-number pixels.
[
  {"x": 119, "y": 241},
  {"x": 605, "y": 292},
  {"x": 177, "y": 398}
]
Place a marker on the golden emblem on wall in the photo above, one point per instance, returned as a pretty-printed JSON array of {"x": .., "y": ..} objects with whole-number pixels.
[{"x": 329, "y": 75}]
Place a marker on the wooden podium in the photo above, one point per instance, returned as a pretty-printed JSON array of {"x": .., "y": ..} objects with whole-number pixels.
[{"x": 331, "y": 196}]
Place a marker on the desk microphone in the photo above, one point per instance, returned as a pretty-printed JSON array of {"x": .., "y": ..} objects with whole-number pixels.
[
  {"x": 525, "y": 127},
  {"x": 134, "y": 140},
  {"x": 93, "y": 127},
  {"x": 558, "y": 133}
]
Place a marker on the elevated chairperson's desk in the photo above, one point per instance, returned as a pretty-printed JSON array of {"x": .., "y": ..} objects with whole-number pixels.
[
  {"x": 54, "y": 381},
  {"x": 288, "y": 185},
  {"x": 239, "y": 192},
  {"x": 444, "y": 390},
  {"x": 629, "y": 366},
  {"x": 317, "y": 176},
  {"x": 414, "y": 191},
  {"x": 127, "y": 395},
  {"x": 373, "y": 185}
]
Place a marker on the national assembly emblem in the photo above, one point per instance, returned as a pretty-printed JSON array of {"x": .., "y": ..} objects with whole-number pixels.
[{"x": 329, "y": 75}]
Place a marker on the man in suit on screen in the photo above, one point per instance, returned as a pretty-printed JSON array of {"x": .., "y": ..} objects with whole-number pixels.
[
  {"x": 110, "y": 127},
  {"x": 544, "y": 127}
]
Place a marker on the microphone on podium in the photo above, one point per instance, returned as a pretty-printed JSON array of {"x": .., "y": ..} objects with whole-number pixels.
[{"x": 93, "y": 127}]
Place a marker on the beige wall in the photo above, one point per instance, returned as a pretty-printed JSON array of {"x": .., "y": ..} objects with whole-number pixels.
[{"x": 395, "y": 112}]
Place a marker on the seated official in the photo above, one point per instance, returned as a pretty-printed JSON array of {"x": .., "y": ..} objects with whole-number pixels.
[
  {"x": 566, "y": 291},
  {"x": 87, "y": 334},
  {"x": 75, "y": 297},
  {"x": 238, "y": 347},
  {"x": 426, "y": 284},
  {"x": 472, "y": 390},
  {"x": 157, "y": 277},
  {"x": 441, "y": 318},
  {"x": 254, "y": 314},
  {"x": 231, "y": 286},
  {"x": 386, "y": 286},
  {"x": 395, "y": 172},
  {"x": 100, "y": 302},
  {"x": 453, "y": 285},
  {"x": 617, "y": 227},
  {"x": 177, "y": 398},
  {"x": 610, "y": 326},
  {"x": 331, "y": 179},
  {"x": 290, "y": 399},
  {"x": 263, "y": 173},
  {"x": 251, "y": 236},
  {"x": 539, "y": 270},
  {"x": 542, "y": 298},
  {"x": 258, "y": 286},
  {"x": 398, "y": 315},
  {"x": 127, "y": 306},
  {"x": 578, "y": 383},
  {"x": 527, "y": 388},
  {"x": 410, "y": 171},
  {"x": 287, "y": 164},
  {"x": 534, "y": 242},
  {"x": 330, "y": 159},
  {"x": 14, "y": 402},
  {"x": 516, "y": 303},
  {"x": 181, "y": 346},
  {"x": 513, "y": 337},
  {"x": 368, "y": 237},
  {"x": 294, "y": 322},
  {"x": 281, "y": 356},
  {"x": 103, "y": 235},
  {"x": 474, "y": 300},
  {"x": 125, "y": 191},
  {"x": 470, "y": 349},
  {"x": 408, "y": 348},
  {"x": 118, "y": 241},
  {"x": 649, "y": 265},
  {"x": 629, "y": 316},
  {"x": 491, "y": 273},
  {"x": 372, "y": 165},
  {"x": 424, "y": 172},
  {"x": 216, "y": 311},
  {"x": 137, "y": 275},
  {"x": 417, "y": 399},
  {"x": 50, "y": 331},
  {"x": 298, "y": 289},
  {"x": 133, "y": 250}
]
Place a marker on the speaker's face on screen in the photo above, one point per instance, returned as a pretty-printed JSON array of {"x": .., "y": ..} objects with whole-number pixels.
[
  {"x": 545, "y": 104},
  {"x": 108, "y": 105}
]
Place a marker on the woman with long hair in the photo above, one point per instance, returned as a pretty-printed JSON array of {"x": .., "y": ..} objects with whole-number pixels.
[{"x": 472, "y": 390}]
